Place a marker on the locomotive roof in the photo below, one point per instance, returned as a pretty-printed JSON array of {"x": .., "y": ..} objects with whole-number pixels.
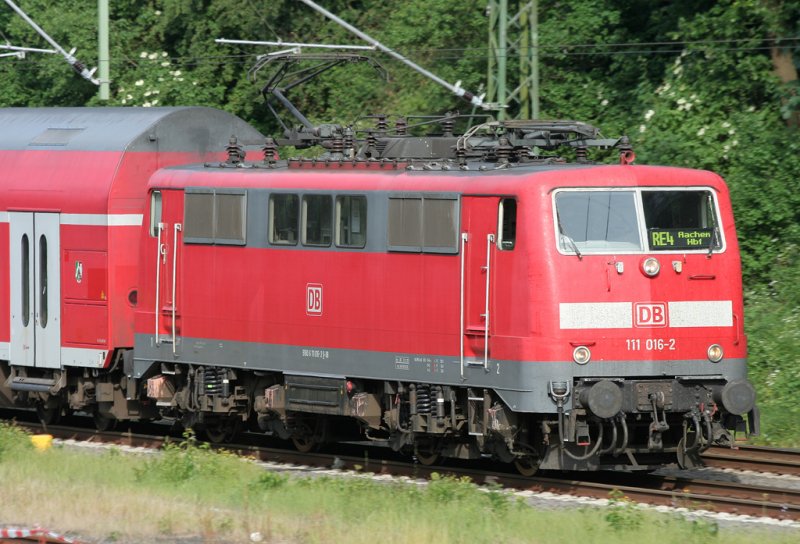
[{"x": 120, "y": 129}]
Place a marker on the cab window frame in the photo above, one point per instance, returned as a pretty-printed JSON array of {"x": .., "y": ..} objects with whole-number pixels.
[{"x": 718, "y": 223}]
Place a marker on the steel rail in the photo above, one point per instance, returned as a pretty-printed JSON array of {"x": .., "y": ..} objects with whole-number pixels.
[{"x": 755, "y": 458}]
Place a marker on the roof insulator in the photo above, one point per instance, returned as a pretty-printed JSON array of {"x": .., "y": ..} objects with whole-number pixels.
[
  {"x": 235, "y": 152},
  {"x": 400, "y": 126},
  {"x": 270, "y": 152},
  {"x": 504, "y": 149}
]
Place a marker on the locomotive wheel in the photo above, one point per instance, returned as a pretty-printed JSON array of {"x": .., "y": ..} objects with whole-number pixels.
[
  {"x": 305, "y": 444},
  {"x": 309, "y": 434},
  {"x": 426, "y": 455},
  {"x": 220, "y": 431},
  {"x": 103, "y": 423},
  {"x": 527, "y": 466},
  {"x": 48, "y": 415}
]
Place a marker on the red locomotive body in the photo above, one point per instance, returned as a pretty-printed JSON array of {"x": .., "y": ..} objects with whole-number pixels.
[
  {"x": 460, "y": 284},
  {"x": 454, "y": 296}
]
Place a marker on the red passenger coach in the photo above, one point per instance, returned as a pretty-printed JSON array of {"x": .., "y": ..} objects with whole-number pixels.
[
  {"x": 566, "y": 316},
  {"x": 73, "y": 191}
]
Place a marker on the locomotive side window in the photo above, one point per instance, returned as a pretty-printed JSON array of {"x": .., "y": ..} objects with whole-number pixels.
[
  {"x": 229, "y": 217},
  {"x": 317, "y": 217},
  {"x": 507, "y": 223},
  {"x": 405, "y": 224},
  {"x": 440, "y": 225},
  {"x": 351, "y": 221},
  {"x": 198, "y": 221},
  {"x": 283, "y": 213},
  {"x": 680, "y": 220},
  {"x": 597, "y": 221},
  {"x": 214, "y": 217},
  {"x": 428, "y": 224},
  {"x": 155, "y": 212}
]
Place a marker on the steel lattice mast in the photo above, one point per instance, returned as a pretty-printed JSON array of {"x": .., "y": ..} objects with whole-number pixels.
[{"x": 514, "y": 48}]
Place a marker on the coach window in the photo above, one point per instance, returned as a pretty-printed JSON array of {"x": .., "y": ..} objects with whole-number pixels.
[
  {"x": 283, "y": 213},
  {"x": 317, "y": 219},
  {"x": 507, "y": 223},
  {"x": 351, "y": 221},
  {"x": 26, "y": 281},
  {"x": 155, "y": 212}
]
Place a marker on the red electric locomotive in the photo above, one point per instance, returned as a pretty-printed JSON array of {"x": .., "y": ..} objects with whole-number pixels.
[
  {"x": 456, "y": 296},
  {"x": 451, "y": 296},
  {"x": 73, "y": 192}
]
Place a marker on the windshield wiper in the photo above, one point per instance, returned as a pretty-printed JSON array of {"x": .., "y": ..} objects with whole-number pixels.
[
  {"x": 715, "y": 231},
  {"x": 572, "y": 243}
]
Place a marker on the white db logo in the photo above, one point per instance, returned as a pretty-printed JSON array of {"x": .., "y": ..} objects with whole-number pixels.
[
  {"x": 650, "y": 314},
  {"x": 314, "y": 299}
]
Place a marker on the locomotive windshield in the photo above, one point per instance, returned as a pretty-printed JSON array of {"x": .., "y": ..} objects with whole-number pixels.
[{"x": 635, "y": 220}]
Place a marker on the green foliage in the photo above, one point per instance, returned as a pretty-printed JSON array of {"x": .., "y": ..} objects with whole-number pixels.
[
  {"x": 270, "y": 480},
  {"x": 773, "y": 329},
  {"x": 184, "y": 462},
  {"x": 13, "y": 440},
  {"x": 622, "y": 514}
]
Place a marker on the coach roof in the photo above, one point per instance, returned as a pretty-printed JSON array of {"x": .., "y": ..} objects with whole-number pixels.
[{"x": 121, "y": 129}]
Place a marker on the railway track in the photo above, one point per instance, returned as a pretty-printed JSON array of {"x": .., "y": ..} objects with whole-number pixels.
[
  {"x": 689, "y": 492},
  {"x": 755, "y": 458}
]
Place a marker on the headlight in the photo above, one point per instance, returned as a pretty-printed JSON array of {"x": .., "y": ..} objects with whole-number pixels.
[
  {"x": 651, "y": 267},
  {"x": 715, "y": 353},
  {"x": 581, "y": 355}
]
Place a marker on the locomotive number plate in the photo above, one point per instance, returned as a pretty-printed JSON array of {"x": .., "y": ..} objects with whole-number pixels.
[{"x": 651, "y": 344}]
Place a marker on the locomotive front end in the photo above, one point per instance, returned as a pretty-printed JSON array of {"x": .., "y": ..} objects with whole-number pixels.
[{"x": 648, "y": 325}]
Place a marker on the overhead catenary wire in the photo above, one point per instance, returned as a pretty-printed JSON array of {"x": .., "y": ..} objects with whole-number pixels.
[{"x": 74, "y": 62}]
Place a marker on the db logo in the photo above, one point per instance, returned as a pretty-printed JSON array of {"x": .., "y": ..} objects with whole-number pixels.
[
  {"x": 314, "y": 299},
  {"x": 650, "y": 314}
]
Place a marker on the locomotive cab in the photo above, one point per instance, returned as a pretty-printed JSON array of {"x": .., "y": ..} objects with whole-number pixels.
[{"x": 647, "y": 319}]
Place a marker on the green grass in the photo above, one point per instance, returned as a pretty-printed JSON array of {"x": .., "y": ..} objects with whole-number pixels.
[{"x": 189, "y": 490}]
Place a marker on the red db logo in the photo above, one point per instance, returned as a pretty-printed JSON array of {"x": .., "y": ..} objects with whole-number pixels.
[
  {"x": 650, "y": 314},
  {"x": 314, "y": 299}
]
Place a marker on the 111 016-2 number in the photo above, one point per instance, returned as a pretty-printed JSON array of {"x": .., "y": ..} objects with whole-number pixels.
[{"x": 650, "y": 344}]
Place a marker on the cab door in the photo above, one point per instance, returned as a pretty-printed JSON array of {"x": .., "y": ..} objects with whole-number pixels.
[
  {"x": 166, "y": 213},
  {"x": 478, "y": 238},
  {"x": 35, "y": 289}
]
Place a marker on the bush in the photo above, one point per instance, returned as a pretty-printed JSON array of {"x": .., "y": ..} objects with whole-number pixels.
[{"x": 13, "y": 440}]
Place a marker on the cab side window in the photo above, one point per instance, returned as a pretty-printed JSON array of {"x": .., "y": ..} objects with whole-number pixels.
[
  {"x": 351, "y": 221},
  {"x": 284, "y": 215}
]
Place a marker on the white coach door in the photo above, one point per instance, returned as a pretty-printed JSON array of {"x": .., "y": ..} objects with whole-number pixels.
[{"x": 35, "y": 289}]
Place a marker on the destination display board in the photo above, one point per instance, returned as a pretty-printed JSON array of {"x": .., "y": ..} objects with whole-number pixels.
[{"x": 672, "y": 239}]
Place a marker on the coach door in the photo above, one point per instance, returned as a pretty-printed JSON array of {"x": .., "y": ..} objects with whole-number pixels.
[
  {"x": 478, "y": 237},
  {"x": 35, "y": 289}
]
